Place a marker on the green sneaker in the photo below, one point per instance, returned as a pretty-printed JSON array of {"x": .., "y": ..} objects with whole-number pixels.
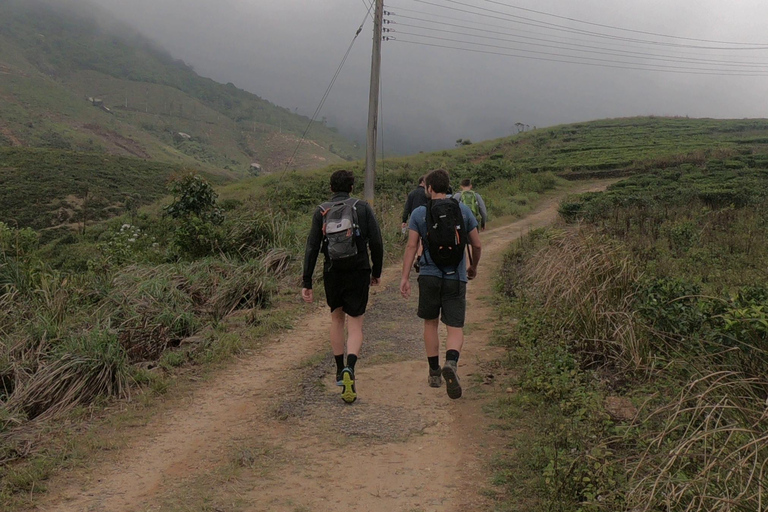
[
  {"x": 435, "y": 379},
  {"x": 452, "y": 385},
  {"x": 348, "y": 393}
]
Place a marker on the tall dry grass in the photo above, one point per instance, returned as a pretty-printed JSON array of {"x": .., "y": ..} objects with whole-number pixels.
[
  {"x": 589, "y": 281},
  {"x": 704, "y": 448},
  {"x": 706, "y": 451}
]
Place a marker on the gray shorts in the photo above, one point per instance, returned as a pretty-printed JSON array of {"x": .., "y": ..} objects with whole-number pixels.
[{"x": 448, "y": 296}]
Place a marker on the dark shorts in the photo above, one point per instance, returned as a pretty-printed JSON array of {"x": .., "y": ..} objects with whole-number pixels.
[
  {"x": 347, "y": 290},
  {"x": 446, "y": 295}
]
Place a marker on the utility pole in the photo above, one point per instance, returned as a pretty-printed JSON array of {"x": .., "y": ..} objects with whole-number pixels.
[{"x": 373, "y": 103}]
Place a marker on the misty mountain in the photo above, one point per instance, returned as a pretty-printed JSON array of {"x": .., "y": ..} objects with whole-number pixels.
[{"x": 73, "y": 78}]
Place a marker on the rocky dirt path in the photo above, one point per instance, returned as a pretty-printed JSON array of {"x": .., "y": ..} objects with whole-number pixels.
[{"x": 270, "y": 433}]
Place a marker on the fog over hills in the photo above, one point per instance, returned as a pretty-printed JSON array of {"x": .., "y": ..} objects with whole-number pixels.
[{"x": 287, "y": 52}]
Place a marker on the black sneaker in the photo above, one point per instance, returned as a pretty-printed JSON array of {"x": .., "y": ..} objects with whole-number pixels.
[
  {"x": 339, "y": 382},
  {"x": 348, "y": 393},
  {"x": 452, "y": 385},
  {"x": 435, "y": 379}
]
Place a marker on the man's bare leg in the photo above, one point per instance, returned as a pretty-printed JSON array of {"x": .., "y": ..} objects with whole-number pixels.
[
  {"x": 337, "y": 331},
  {"x": 431, "y": 338},
  {"x": 455, "y": 338},
  {"x": 354, "y": 334}
]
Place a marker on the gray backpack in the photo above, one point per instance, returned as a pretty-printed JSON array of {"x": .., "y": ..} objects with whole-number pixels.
[{"x": 341, "y": 230}]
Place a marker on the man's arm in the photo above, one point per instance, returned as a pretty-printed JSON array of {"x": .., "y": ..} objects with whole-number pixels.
[
  {"x": 410, "y": 252},
  {"x": 375, "y": 243},
  {"x": 477, "y": 249},
  {"x": 314, "y": 241},
  {"x": 483, "y": 211}
]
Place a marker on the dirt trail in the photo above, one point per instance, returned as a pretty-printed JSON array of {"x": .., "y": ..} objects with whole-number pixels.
[{"x": 270, "y": 433}]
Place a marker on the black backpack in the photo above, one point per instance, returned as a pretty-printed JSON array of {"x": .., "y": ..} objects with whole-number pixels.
[{"x": 446, "y": 233}]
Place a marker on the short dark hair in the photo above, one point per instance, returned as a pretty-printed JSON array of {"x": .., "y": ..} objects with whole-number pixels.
[
  {"x": 439, "y": 180},
  {"x": 421, "y": 180},
  {"x": 466, "y": 182},
  {"x": 342, "y": 181}
]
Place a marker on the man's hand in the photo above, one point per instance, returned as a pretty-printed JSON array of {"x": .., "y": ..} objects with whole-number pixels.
[
  {"x": 375, "y": 281},
  {"x": 405, "y": 287},
  {"x": 308, "y": 295},
  {"x": 471, "y": 272},
  {"x": 404, "y": 225}
]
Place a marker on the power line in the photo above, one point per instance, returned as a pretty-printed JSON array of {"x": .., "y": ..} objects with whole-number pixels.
[
  {"x": 485, "y": 30},
  {"x": 595, "y": 59},
  {"x": 553, "y": 26},
  {"x": 614, "y": 66},
  {"x": 596, "y": 50},
  {"x": 613, "y": 27},
  {"x": 327, "y": 92},
  {"x": 485, "y": 26}
]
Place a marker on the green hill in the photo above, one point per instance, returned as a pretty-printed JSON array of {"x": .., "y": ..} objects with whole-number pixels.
[{"x": 72, "y": 79}]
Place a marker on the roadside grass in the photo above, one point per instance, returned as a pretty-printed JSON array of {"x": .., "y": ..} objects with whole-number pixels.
[
  {"x": 639, "y": 347},
  {"x": 107, "y": 425}
]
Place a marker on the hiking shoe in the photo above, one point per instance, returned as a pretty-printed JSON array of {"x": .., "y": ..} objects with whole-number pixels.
[
  {"x": 348, "y": 393},
  {"x": 451, "y": 380},
  {"x": 435, "y": 378},
  {"x": 339, "y": 382}
]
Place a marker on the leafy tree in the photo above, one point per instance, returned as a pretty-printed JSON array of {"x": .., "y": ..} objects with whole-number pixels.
[{"x": 193, "y": 196}]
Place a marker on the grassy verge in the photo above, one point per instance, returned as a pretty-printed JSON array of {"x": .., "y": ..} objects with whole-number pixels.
[{"x": 640, "y": 349}]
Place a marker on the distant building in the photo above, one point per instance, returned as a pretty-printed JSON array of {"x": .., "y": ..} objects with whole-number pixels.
[{"x": 184, "y": 136}]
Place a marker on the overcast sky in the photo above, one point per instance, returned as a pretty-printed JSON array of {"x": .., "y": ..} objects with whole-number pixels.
[{"x": 287, "y": 51}]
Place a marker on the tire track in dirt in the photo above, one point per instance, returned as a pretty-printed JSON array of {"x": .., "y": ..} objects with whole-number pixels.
[{"x": 401, "y": 447}]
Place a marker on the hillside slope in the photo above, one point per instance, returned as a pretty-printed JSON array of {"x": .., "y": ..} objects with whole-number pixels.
[{"x": 73, "y": 79}]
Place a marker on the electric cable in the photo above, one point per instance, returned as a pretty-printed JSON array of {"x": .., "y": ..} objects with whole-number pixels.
[
  {"x": 593, "y": 49},
  {"x": 526, "y": 39},
  {"x": 543, "y": 59},
  {"x": 485, "y": 26},
  {"x": 325, "y": 96},
  {"x": 553, "y": 26},
  {"x": 613, "y": 27}
]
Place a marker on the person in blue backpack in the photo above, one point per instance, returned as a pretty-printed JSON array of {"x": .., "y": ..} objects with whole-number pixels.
[
  {"x": 444, "y": 226},
  {"x": 344, "y": 229}
]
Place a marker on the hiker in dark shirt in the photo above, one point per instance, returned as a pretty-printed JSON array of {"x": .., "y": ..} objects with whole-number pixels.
[
  {"x": 417, "y": 197},
  {"x": 346, "y": 281}
]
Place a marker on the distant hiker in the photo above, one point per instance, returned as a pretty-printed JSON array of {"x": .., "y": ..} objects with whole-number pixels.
[
  {"x": 444, "y": 226},
  {"x": 344, "y": 229},
  {"x": 417, "y": 197},
  {"x": 474, "y": 201}
]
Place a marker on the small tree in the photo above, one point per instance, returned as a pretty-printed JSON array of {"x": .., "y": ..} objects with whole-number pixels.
[{"x": 193, "y": 196}]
